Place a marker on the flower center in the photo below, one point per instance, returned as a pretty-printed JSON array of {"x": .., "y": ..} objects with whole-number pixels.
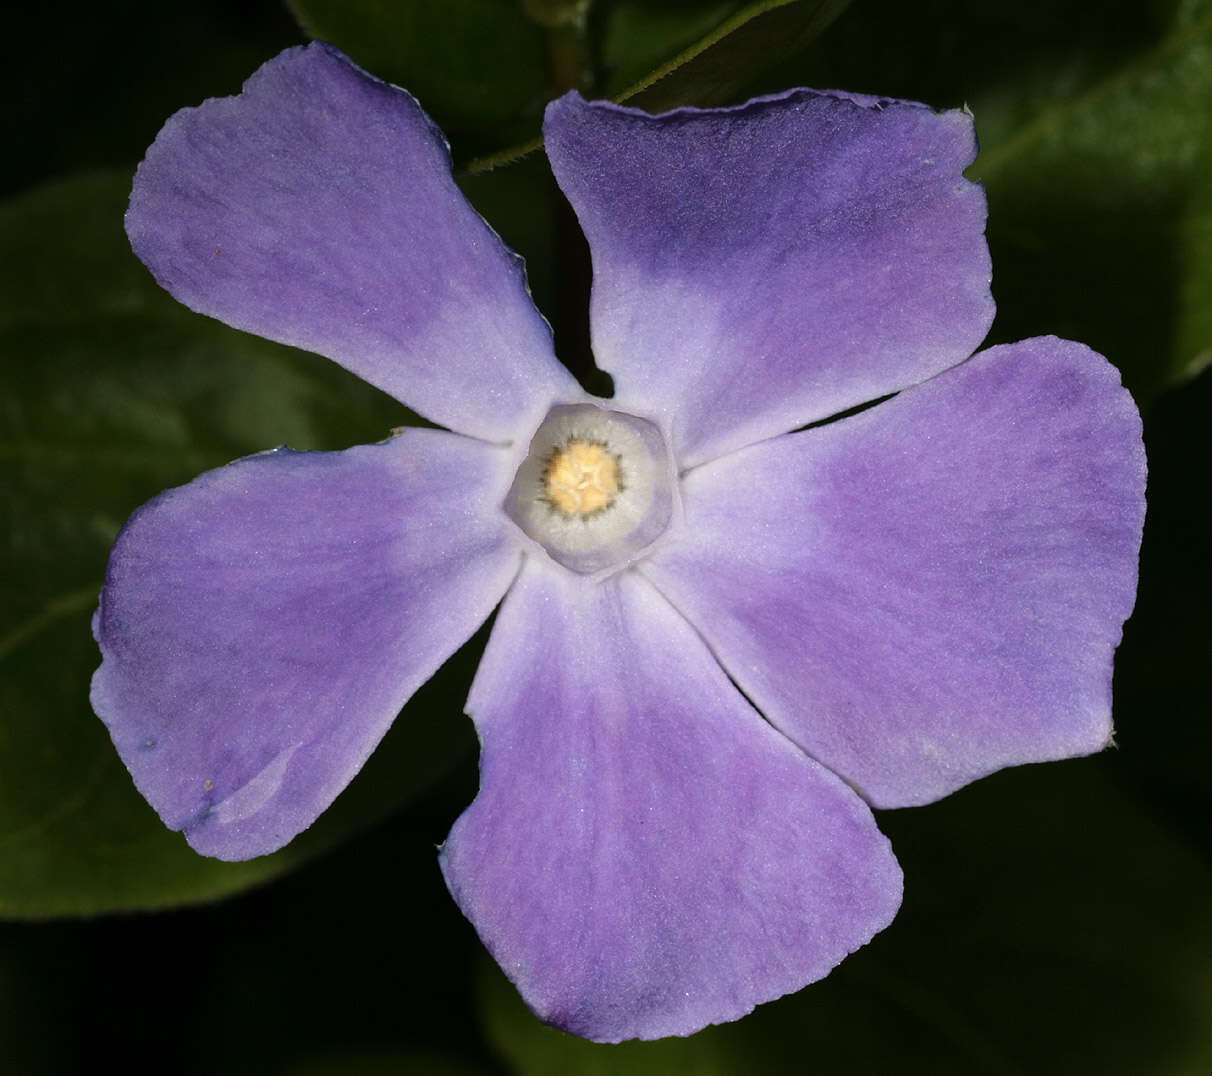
[
  {"x": 582, "y": 478},
  {"x": 596, "y": 488}
]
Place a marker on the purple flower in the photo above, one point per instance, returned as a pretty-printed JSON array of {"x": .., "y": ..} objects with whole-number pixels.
[{"x": 720, "y": 642}]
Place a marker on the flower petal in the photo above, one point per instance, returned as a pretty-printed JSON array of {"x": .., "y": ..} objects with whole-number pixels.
[
  {"x": 646, "y": 855},
  {"x": 317, "y": 208},
  {"x": 932, "y": 589},
  {"x": 262, "y": 626},
  {"x": 760, "y": 267}
]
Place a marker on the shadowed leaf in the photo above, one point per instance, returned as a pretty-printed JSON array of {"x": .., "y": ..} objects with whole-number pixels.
[{"x": 110, "y": 392}]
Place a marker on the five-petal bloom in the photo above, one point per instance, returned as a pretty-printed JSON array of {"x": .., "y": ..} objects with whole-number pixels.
[{"x": 908, "y": 598}]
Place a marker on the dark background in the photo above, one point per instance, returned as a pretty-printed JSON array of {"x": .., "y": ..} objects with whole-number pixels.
[{"x": 1056, "y": 917}]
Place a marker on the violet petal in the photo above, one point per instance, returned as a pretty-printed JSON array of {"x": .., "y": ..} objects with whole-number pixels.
[
  {"x": 646, "y": 855},
  {"x": 932, "y": 589},
  {"x": 761, "y": 267},
  {"x": 317, "y": 208},
  {"x": 262, "y": 626}
]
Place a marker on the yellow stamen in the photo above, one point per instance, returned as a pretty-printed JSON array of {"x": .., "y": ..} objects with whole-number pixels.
[{"x": 582, "y": 478}]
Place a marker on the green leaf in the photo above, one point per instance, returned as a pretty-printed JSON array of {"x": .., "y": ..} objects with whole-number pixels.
[
  {"x": 639, "y": 37},
  {"x": 659, "y": 56},
  {"x": 108, "y": 393},
  {"x": 1021, "y": 948},
  {"x": 714, "y": 68},
  {"x": 1087, "y": 188},
  {"x": 478, "y": 67}
]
